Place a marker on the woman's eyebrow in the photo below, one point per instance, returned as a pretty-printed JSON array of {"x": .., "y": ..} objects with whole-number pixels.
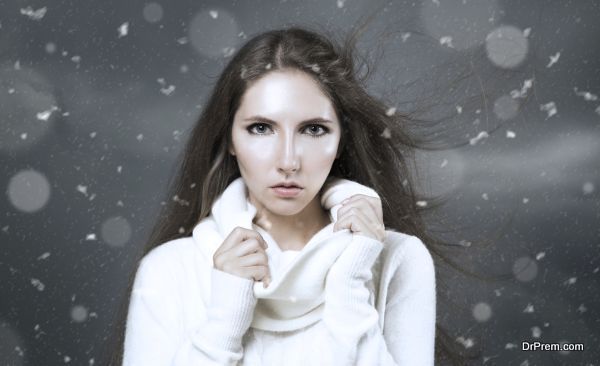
[{"x": 265, "y": 119}]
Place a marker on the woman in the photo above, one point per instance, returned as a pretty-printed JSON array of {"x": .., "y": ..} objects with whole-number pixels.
[{"x": 331, "y": 271}]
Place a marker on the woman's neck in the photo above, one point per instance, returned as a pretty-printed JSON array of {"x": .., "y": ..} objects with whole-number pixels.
[{"x": 293, "y": 232}]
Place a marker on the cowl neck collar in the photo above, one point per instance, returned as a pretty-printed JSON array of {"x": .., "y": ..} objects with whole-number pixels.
[{"x": 295, "y": 297}]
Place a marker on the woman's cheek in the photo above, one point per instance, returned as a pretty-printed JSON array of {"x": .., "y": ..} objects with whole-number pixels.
[
  {"x": 256, "y": 150},
  {"x": 325, "y": 147}
]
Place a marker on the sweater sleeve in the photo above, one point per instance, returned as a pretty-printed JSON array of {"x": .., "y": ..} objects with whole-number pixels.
[
  {"x": 155, "y": 333},
  {"x": 354, "y": 336}
]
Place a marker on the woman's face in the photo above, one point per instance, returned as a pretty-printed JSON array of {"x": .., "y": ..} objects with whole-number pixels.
[{"x": 285, "y": 129}]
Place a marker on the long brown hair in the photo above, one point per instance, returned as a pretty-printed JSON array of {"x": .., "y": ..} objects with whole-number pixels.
[{"x": 377, "y": 149}]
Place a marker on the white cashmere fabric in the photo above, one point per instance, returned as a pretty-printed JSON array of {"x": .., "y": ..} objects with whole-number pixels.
[{"x": 344, "y": 299}]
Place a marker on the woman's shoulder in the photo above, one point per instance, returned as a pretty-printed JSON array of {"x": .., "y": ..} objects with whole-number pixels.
[
  {"x": 170, "y": 254},
  {"x": 405, "y": 248}
]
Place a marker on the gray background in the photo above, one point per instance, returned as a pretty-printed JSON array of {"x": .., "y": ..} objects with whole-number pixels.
[{"x": 97, "y": 99}]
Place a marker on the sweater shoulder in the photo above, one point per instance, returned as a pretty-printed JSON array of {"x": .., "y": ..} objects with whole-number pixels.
[
  {"x": 404, "y": 248},
  {"x": 170, "y": 254},
  {"x": 411, "y": 265}
]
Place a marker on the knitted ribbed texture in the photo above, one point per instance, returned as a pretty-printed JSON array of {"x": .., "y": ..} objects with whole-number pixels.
[
  {"x": 352, "y": 299},
  {"x": 229, "y": 312}
]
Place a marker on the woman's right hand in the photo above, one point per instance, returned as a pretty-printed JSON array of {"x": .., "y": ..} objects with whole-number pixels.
[{"x": 243, "y": 254}]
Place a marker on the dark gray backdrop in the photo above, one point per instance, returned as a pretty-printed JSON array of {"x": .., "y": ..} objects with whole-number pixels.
[{"x": 97, "y": 99}]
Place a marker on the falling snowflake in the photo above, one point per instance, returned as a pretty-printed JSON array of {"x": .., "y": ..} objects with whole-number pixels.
[
  {"x": 536, "y": 332},
  {"x": 34, "y": 14},
  {"x": 82, "y": 189},
  {"x": 467, "y": 343},
  {"x": 386, "y": 133},
  {"x": 458, "y": 109},
  {"x": 182, "y": 40},
  {"x": 182, "y": 202},
  {"x": 526, "y": 32},
  {"x": 481, "y": 136},
  {"x": 421, "y": 203},
  {"x": 214, "y": 14},
  {"x": 43, "y": 116},
  {"x": 391, "y": 111},
  {"x": 553, "y": 59},
  {"x": 528, "y": 308},
  {"x": 167, "y": 91},
  {"x": 91, "y": 236},
  {"x": 228, "y": 51},
  {"x": 340, "y": 3},
  {"x": 540, "y": 255},
  {"x": 38, "y": 284},
  {"x": 44, "y": 256},
  {"x": 444, "y": 163},
  {"x": 464, "y": 243},
  {"x": 123, "y": 29},
  {"x": 510, "y": 134},
  {"x": 527, "y": 84},
  {"x": 446, "y": 40},
  {"x": 549, "y": 108},
  {"x": 587, "y": 96},
  {"x": 405, "y": 36},
  {"x": 140, "y": 137}
]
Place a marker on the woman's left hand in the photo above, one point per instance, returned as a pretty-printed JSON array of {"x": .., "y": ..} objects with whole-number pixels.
[{"x": 363, "y": 215}]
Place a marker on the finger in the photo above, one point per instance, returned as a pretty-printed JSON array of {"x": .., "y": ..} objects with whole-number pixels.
[
  {"x": 257, "y": 273},
  {"x": 253, "y": 259},
  {"x": 361, "y": 205},
  {"x": 247, "y": 247},
  {"x": 241, "y": 234},
  {"x": 356, "y": 222},
  {"x": 372, "y": 203}
]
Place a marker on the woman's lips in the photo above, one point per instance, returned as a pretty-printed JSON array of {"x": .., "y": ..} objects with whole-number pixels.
[{"x": 286, "y": 191}]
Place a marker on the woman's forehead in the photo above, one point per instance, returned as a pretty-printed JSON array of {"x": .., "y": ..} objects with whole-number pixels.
[{"x": 285, "y": 95}]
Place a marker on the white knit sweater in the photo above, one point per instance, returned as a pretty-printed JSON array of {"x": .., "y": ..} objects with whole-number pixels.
[{"x": 344, "y": 299}]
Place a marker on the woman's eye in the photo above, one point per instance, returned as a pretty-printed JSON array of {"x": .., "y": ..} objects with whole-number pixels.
[
  {"x": 261, "y": 128},
  {"x": 315, "y": 128}
]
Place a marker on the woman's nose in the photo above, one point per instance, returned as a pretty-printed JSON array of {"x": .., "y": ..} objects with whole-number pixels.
[{"x": 288, "y": 154}]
